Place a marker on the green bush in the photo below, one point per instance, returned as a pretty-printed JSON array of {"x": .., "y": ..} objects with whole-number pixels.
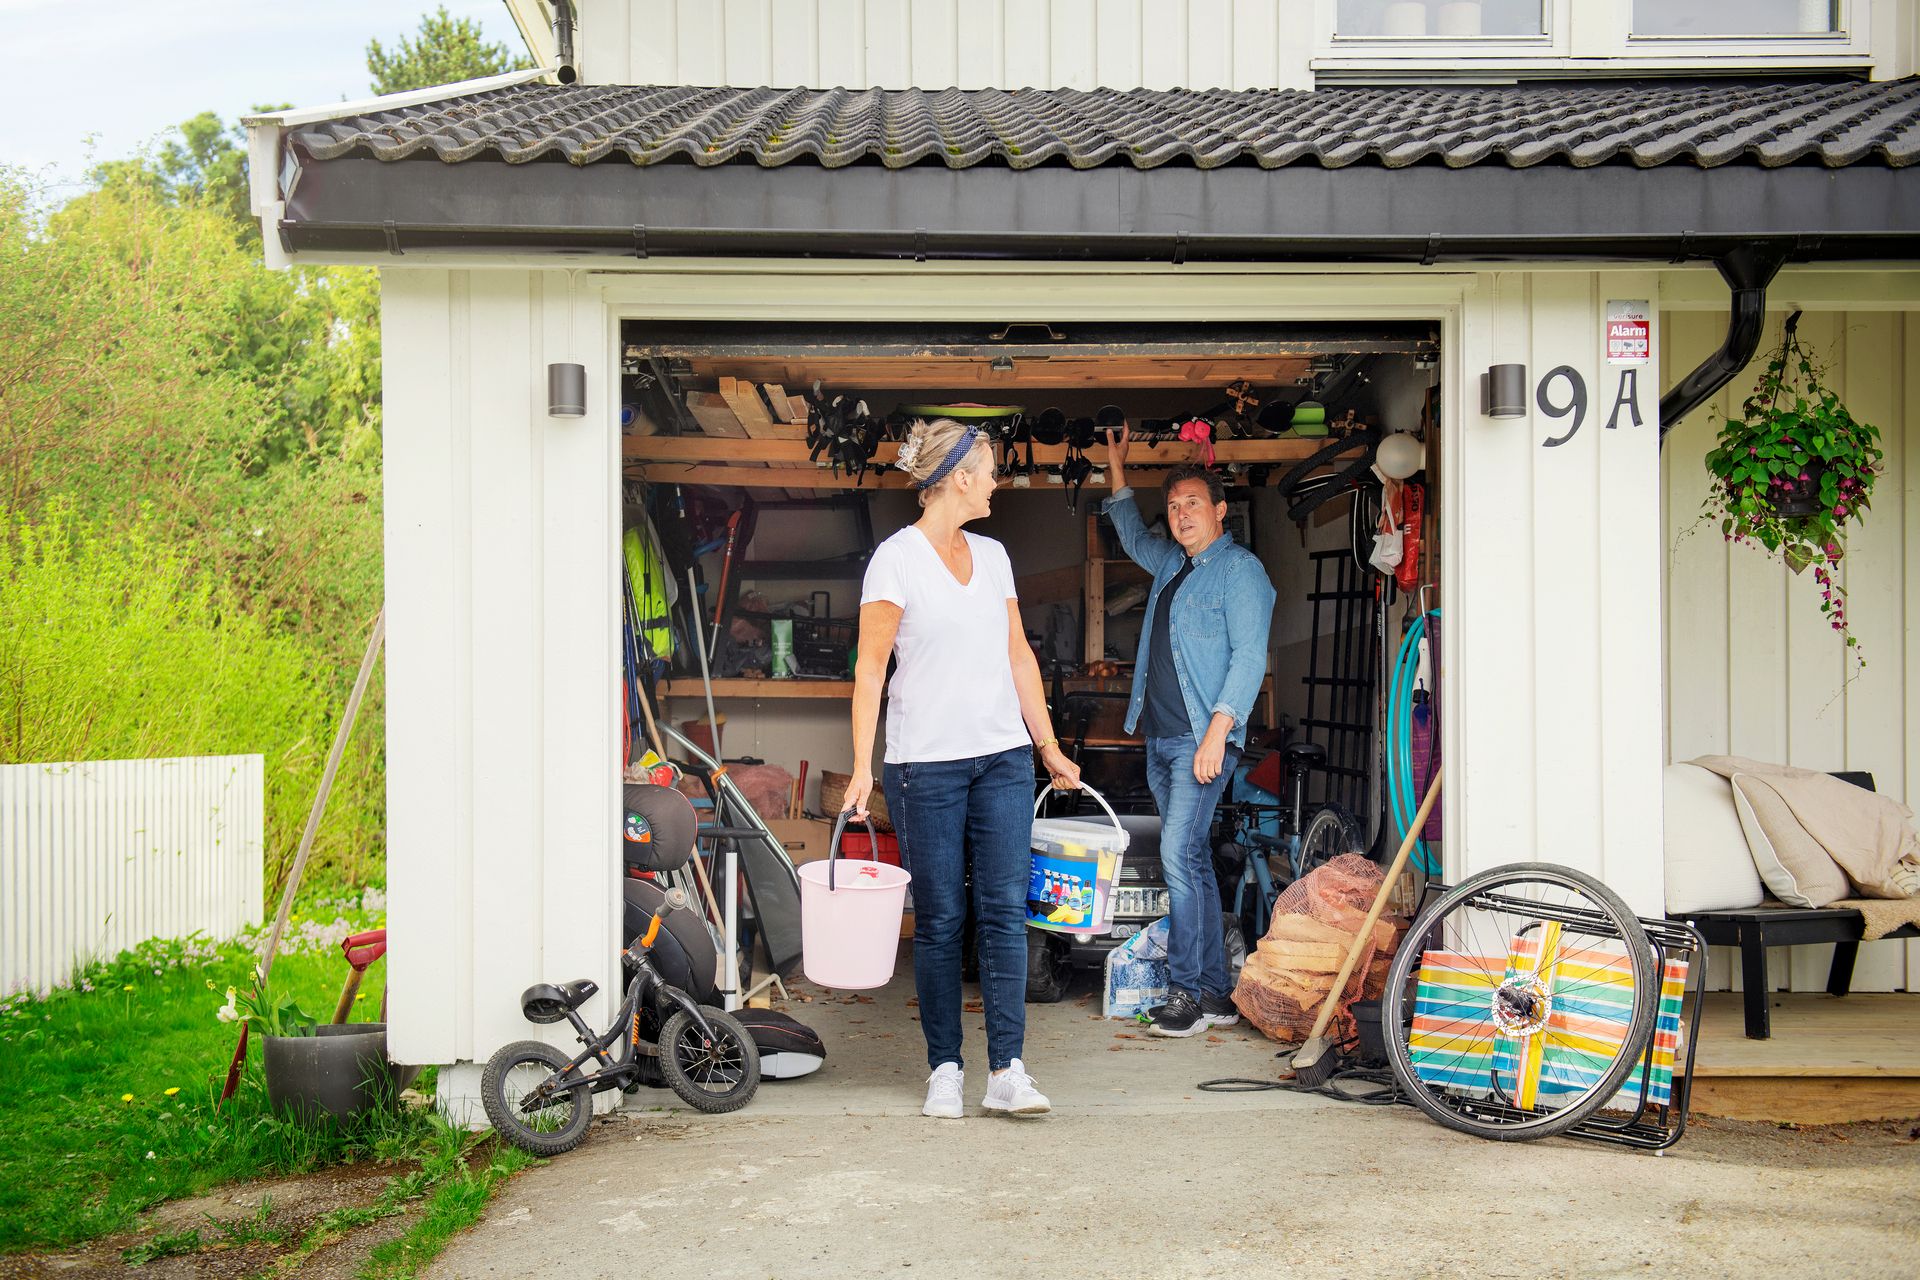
[
  {"x": 190, "y": 489},
  {"x": 112, "y": 646}
]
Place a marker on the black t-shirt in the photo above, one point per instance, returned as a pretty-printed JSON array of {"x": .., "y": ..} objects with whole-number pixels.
[{"x": 1165, "y": 713}]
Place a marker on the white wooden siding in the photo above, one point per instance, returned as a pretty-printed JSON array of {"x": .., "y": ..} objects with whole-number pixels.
[
  {"x": 1752, "y": 667},
  {"x": 1121, "y": 44},
  {"x": 503, "y": 710},
  {"x": 1552, "y": 619},
  {"x": 935, "y": 44},
  {"x": 101, "y": 855}
]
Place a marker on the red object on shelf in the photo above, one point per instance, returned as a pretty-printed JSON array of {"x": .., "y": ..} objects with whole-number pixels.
[{"x": 880, "y": 848}]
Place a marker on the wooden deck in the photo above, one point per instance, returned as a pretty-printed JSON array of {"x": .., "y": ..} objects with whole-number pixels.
[{"x": 1829, "y": 1060}]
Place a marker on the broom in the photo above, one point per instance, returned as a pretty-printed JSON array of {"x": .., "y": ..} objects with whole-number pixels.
[{"x": 1314, "y": 1062}]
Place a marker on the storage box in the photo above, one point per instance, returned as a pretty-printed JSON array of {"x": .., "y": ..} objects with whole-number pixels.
[{"x": 805, "y": 839}]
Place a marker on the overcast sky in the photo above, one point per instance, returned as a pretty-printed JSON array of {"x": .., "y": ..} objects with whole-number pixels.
[{"x": 123, "y": 71}]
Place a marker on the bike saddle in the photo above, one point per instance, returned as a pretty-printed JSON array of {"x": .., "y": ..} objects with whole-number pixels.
[
  {"x": 1304, "y": 753},
  {"x": 545, "y": 1002}
]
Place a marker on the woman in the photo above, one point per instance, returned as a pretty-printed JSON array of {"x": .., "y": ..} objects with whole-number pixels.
[{"x": 965, "y": 705}]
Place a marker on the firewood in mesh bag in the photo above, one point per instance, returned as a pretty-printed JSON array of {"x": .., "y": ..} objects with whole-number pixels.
[{"x": 1291, "y": 971}]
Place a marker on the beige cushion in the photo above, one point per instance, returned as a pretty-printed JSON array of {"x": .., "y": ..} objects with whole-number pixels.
[
  {"x": 1708, "y": 866},
  {"x": 1794, "y": 865}
]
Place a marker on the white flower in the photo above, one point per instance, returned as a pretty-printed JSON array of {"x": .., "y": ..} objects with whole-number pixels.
[{"x": 150, "y": 1155}]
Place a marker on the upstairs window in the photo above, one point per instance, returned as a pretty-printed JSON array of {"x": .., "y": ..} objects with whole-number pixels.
[
  {"x": 1736, "y": 19},
  {"x": 1601, "y": 37},
  {"x": 1440, "y": 19}
]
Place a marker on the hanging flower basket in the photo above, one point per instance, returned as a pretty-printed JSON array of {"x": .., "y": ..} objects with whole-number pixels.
[{"x": 1793, "y": 471}]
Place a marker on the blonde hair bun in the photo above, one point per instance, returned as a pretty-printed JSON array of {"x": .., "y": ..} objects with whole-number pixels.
[{"x": 928, "y": 442}]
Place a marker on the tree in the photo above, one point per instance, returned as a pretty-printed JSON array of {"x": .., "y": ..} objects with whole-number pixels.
[{"x": 447, "y": 49}]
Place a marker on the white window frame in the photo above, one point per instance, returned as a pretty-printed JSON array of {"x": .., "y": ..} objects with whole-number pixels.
[
  {"x": 1553, "y": 44},
  {"x": 1594, "y": 36}
]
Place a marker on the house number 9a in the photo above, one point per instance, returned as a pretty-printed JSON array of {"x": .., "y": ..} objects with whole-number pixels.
[{"x": 1575, "y": 405}]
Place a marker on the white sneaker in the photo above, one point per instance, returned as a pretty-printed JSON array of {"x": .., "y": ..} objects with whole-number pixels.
[
  {"x": 943, "y": 1092},
  {"x": 1012, "y": 1091}
]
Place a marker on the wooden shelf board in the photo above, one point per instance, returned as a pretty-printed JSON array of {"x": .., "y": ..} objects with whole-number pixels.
[
  {"x": 698, "y": 449},
  {"x": 685, "y": 687}
]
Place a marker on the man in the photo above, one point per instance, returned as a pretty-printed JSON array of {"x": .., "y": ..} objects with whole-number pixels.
[{"x": 1202, "y": 656}]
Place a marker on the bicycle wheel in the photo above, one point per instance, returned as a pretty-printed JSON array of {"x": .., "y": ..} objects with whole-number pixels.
[
  {"x": 544, "y": 1124},
  {"x": 1331, "y": 831},
  {"x": 1519, "y": 1002},
  {"x": 714, "y": 1075}
]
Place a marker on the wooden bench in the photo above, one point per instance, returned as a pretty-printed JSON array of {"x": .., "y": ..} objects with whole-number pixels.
[{"x": 1754, "y": 929}]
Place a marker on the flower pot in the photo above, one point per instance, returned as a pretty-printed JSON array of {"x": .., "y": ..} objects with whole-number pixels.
[
  {"x": 339, "y": 1070},
  {"x": 1794, "y": 498}
]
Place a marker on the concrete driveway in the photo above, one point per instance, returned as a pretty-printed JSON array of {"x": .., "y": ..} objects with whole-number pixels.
[{"x": 1138, "y": 1173}]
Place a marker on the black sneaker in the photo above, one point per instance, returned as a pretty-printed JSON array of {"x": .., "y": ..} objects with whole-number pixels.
[{"x": 1182, "y": 1015}]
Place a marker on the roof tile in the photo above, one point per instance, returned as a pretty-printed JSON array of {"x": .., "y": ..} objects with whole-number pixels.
[{"x": 1704, "y": 123}]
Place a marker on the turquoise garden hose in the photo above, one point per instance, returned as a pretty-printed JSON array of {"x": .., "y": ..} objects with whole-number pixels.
[{"x": 1403, "y": 789}]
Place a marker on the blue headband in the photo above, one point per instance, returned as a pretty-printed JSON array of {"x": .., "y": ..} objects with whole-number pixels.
[{"x": 952, "y": 459}]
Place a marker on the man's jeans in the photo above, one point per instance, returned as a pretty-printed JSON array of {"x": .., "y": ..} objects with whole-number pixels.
[
  {"x": 949, "y": 813},
  {"x": 1196, "y": 953}
]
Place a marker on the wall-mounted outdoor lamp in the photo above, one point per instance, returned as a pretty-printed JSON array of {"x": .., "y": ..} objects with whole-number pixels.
[
  {"x": 566, "y": 390},
  {"x": 1503, "y": 391}
]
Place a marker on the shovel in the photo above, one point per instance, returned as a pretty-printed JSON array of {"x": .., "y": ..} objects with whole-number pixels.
[
  {"x": 361, "y": 950},
  {"x": 1314, "y": 1063}
]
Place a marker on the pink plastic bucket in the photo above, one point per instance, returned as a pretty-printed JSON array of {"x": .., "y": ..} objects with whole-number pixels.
[{"x": 850, "y": 918}]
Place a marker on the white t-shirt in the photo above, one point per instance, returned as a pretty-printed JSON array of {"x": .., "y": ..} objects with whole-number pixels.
[{"x": 952, "y": 695}]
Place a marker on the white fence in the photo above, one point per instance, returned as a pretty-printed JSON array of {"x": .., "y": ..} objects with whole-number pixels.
[{"x": 98, "y": 856}]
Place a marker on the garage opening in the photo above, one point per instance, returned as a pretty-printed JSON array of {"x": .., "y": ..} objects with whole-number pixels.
[{"x": 759, "y": 479}]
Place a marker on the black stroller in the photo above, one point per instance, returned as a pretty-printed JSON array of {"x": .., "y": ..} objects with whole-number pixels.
[{"x": 657, "y": 840}]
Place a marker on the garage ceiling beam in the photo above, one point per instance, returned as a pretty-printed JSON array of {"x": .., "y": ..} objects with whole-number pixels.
[{"x": 814, "y": 342}]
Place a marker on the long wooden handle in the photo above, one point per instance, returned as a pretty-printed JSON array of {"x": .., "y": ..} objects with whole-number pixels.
[
  {"x": 340, "y": 736},
  {"x": 1379, "y": 904}
]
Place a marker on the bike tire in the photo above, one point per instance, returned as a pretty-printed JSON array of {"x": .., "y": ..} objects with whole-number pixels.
[
  {"x": 1330, "y": 832},
  {"x": 693, "y": 1067},
  {"x": 1609, "y": 917},
  {"x": 504, "y": 1112}
]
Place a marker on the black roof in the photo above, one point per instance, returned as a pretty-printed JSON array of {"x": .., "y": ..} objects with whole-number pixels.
[{"x": 1706, "y": 124}]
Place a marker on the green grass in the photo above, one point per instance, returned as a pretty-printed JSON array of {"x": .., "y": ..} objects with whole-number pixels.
[
  {"x": 108, "y": 1095},
  {"x": 456, "y": 1204}
]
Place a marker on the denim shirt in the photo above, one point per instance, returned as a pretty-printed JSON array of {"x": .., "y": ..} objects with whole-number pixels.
[{"x": 1220, "y": 621}]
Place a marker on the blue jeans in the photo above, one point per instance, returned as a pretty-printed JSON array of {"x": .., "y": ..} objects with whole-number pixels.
[
  {"x": 1196, "y": 953},
  {"x": 947, "y": 814}
]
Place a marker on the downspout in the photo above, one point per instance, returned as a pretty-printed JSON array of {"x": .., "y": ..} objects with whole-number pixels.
[
  {"x": 564, "y": 71},
  {"x": 1748, "y": 271}
]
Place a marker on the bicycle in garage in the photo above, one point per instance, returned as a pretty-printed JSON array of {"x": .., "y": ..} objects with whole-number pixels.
[{"x": 1307, "y": 836}]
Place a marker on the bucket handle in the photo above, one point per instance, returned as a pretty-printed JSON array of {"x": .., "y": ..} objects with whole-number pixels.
[
  {"x": 833, "y": 844},
  {"x": 1041, "y": 799}
]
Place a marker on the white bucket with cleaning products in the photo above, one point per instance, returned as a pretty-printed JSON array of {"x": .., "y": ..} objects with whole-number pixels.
[
  {"x": 1074, "y": 868},
  {"x": 850, "y": 916}
]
